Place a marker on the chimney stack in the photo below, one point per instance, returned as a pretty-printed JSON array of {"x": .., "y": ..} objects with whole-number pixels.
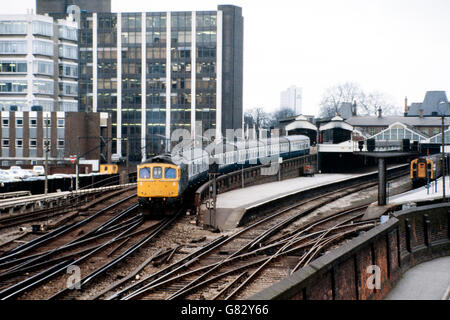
[
  {"x": 379, "y": 112},
  {"x": 406, "y": 105},
  {"x": 421, "y": 113}
]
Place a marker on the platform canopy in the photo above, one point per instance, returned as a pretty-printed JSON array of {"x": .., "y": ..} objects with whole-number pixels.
[
  {"x": 438, "y": 137},
  {"x": 399, "y": 131},
  {"x": 336, "y": 122},
  {"x": 300, "y": 122}
]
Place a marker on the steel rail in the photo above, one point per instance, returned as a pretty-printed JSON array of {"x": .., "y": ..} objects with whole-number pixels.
[
  {"x": 39, "y": 278},
  {"x": 26, "y": 247}
]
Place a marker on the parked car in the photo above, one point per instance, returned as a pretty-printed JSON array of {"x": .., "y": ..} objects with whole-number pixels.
[
  {"x": 18, "y": 173},
  {"x": 39, "y": 170},
  {"x": 5, "y": 176}
]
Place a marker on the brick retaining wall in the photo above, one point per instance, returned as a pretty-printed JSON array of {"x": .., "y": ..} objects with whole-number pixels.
[{"x": 408, "y": 238}]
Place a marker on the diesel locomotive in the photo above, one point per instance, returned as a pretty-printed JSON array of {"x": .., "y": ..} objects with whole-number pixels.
[{"x": 163, "y": 180}]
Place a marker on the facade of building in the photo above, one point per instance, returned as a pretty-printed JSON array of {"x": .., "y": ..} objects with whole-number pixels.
[
  {"x": 156, "y": 72},
  {"x": 291, "y": 98},
  {"x": 46, "y": 6},
  {"x": 38, "y": 63},
  {"x": 23, "y": 137}
]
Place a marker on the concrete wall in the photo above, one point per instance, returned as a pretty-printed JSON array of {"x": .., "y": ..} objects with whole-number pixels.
[{"x": 408, "y": 238}]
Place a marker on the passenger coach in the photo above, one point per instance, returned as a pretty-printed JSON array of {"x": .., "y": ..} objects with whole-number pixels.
[{"x": 164, "y": 179}]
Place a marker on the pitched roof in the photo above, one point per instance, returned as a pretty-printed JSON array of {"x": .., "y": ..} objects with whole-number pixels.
[
  {"x": 431, "y": 104},
  {"x": 374, "y": 121}
]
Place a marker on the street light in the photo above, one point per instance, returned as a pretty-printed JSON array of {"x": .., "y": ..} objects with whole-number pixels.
[{"x": 442, "y": 107}]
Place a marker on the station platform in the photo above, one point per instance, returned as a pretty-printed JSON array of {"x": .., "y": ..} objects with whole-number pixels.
[
  {"x": 426, "y": 281},
  {"x": 422, "y": 194},
  {"x": 231, "y": 206}
]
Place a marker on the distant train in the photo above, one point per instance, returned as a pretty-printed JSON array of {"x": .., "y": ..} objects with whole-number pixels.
[
  {"x": 164, "y": 179},
  {"x": 425, "y": 169},
  {"x": 109, "y": 168}
]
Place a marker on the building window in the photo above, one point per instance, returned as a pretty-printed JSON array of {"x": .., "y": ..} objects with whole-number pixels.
[
  {"x": 47, "y": 105},
  {"x": 43, "y": 28},
  {"x": 5, "y": 123},
  {"x": 43, "y": 67},
  {"x": 19, "y": 123},
  {"x": 43, "y": 47},
  {"x": 19, "y": 143},
  {"x": 60, "y": 123},
  {"x": 13, "y": 66},
  {"x": 43, "y": 86},
  {"x": 33, "y": 123},
  {"x": 68, "y": 88},
  {"x": 5, "y": 143},
  {"x": 60, "y": 144},
  {"x": 68, "y": 33},
  {"x": 13, "y": 27},
  {"x": 68, "y": 106},
  {"x": 47, "y": 122},
  {"x": 11, "y": 47},
  {"x": 68, "y": 70},
  {"x": 13, "y": 86},
  {"x": 33, "y": 143},
  {"x": 68, "y": 51}
]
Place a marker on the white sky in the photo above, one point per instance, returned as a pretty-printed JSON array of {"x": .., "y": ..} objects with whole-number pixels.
[{"x": 399, "y": 47}]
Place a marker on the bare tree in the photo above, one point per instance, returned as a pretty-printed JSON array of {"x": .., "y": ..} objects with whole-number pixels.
[
  {"x": 366, "y": 103},
  {"x": 257, "y": 118},
  {"x": 281, "y": 114}
]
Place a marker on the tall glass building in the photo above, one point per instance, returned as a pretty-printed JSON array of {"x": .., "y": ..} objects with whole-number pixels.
[{"x": 160, "y": 71}]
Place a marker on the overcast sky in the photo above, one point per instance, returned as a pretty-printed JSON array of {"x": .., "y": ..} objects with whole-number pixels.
[{"x": 398, "y": 47}]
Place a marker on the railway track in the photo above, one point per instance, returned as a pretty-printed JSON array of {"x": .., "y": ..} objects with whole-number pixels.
[
  {"x": 222, "y": 267},
  {"x": 66, "y": 245},
  {"x": 126, "y": 257},
  {"x": 17, "y": 219}
]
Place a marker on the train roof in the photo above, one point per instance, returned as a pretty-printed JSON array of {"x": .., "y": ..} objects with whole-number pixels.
[{"x": 298, "y": 137}]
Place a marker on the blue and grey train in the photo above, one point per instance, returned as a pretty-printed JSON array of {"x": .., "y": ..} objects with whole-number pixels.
[{"x": 164, "y": 179}]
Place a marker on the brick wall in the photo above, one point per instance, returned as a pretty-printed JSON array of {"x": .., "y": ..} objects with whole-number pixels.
[{"x": 408, "y": 238}]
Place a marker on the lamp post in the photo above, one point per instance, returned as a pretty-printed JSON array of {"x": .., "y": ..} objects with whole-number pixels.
[
  {"x": 442, "y": 109},
  {"x": 46, "y": 154}
]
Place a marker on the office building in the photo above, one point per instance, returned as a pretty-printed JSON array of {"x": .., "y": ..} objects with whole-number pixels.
[
  {"x": 23, "y": 137},
  {"x": 38, "y": 63},
  {"x": 62, "y": 6},
  {"x": 156, "y": 72},
  {"x": 291, "y": 98}
]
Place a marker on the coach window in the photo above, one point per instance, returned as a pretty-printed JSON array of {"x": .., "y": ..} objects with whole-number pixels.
[
  {"x": 157, "y": 173},
  {"x": 144, "y": 173},
  {"x": 170, "y": 173}
]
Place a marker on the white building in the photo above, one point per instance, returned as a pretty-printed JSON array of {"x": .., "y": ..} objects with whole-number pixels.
[
  {"x": 38, "y": 63},
  {"x": 292, "y": 99}
]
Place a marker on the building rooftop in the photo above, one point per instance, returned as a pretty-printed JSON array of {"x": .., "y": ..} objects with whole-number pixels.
[
  {"x": 430, "y": 105},
  {"x": 415, "y": 121}
]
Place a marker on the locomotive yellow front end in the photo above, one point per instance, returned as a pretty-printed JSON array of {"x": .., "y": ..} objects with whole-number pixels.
[{"x": 158, "y": 184}]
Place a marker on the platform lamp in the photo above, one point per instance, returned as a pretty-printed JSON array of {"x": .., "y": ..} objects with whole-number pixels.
[{"x": 442, "y": 107}]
